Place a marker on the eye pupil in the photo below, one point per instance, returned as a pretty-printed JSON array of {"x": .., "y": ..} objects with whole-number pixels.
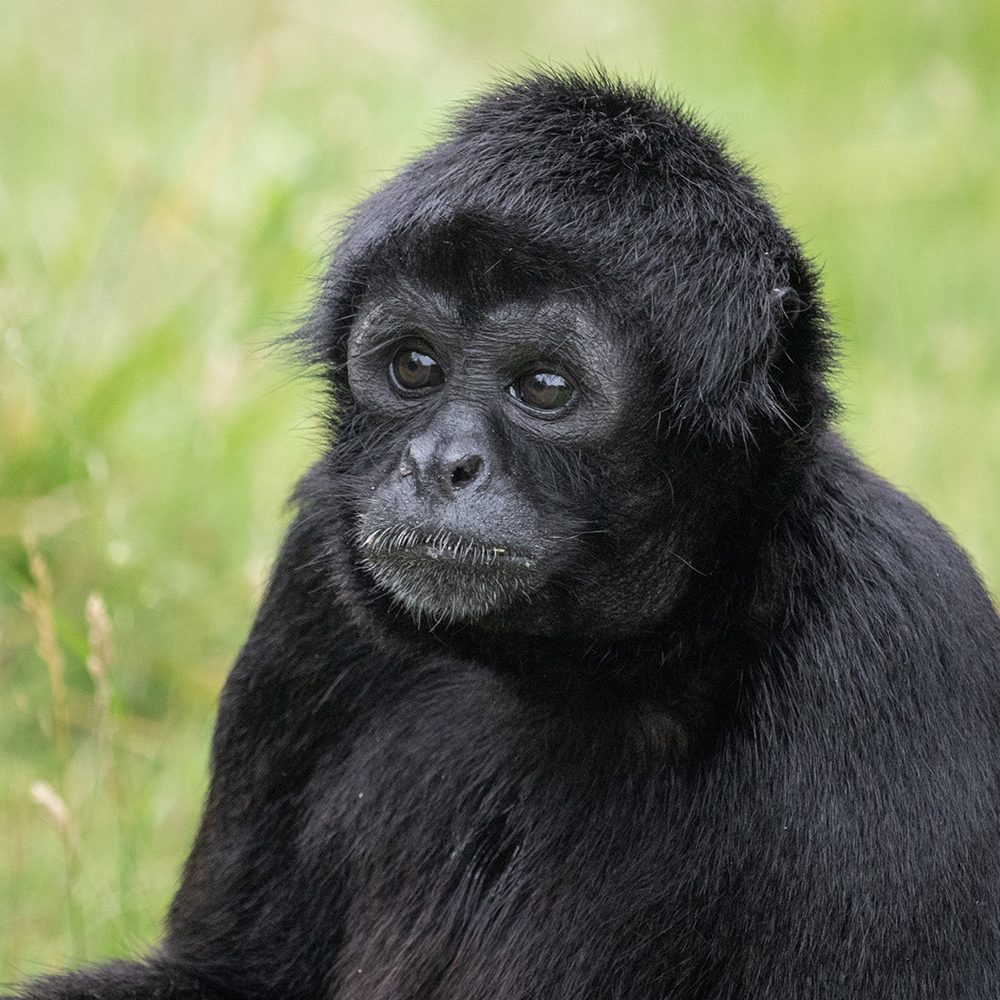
[
  {"x": 543, "y": 390},
  {"x": 413, "y": 369}
]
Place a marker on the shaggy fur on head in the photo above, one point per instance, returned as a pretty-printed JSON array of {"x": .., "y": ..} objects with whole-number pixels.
[
  {"x": 608, "y": 188},
  {"x": 741, "y": 739}
]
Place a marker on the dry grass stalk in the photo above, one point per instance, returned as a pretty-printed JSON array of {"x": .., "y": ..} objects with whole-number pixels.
[
  {"x": 100, "y": 643},
  {"x": 57, "y": 810},
  {"x": 100, "y": 654},
  {"x": 39, "y": 604}
]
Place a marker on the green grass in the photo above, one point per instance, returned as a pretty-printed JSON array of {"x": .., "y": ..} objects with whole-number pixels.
[{"x": 169, "y": 177}]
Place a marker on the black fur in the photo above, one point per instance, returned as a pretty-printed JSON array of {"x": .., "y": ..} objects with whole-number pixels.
[{"x": 744, "y": 743}]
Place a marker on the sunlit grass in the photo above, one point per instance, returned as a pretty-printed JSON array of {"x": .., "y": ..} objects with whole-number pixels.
[{"x": 169, "y": 177}]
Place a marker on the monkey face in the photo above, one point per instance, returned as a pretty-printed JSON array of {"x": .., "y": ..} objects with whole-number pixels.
[{"x": 479, "y": 420}]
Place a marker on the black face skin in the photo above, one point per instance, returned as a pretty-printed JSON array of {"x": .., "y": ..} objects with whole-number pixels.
[
  {"x": 457, "y": 522},
  {"x": 594, "y": 664}
]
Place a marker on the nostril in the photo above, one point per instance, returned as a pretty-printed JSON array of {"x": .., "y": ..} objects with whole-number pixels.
[{"x": 466, "y": 470}]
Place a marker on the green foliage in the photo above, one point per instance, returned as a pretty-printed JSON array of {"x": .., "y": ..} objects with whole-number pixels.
[{"x": 169, "y": 175}]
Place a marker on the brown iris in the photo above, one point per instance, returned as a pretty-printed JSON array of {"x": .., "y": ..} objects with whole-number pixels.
[
  {"x": 412, "y": 369},
  {"x": 542, "y": 390}
]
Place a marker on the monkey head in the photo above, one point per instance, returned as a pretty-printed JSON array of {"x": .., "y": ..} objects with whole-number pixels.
[{"x": 566, "y": 350}]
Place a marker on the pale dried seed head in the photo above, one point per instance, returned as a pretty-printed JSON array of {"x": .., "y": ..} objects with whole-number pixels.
[
  {"x": 99, "y": 637},
  {"x": 52, "y": 802}
]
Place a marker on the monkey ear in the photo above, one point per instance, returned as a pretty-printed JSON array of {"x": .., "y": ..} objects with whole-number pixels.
[
  {"x": 803, "y": 349},
  {"x": 749, "y": 346},
  {"x": 790, "y": 301}
]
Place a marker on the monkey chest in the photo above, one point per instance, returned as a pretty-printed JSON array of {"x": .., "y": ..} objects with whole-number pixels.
[{"x": 485, "y": 861}]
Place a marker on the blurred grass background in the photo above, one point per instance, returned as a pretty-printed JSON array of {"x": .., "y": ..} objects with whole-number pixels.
[{"x": 169, "y": 177}]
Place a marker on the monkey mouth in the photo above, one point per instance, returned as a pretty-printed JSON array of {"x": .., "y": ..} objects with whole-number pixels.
[
  {"x": 444, "y": 576},
  {"x": 401, "y": 542}
]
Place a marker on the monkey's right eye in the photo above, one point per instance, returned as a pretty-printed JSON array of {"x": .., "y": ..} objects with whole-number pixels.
[{"x": 412, "y": 370}]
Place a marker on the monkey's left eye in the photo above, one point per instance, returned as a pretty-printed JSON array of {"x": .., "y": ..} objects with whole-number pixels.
[
  {"x": 542, "y": 390},
  {"x": 411, "y": 370}
]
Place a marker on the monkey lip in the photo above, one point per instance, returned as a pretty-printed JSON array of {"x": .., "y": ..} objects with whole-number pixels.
[
  {"x": 444, "y": 576},
  {"x": 405, "y": 544}
]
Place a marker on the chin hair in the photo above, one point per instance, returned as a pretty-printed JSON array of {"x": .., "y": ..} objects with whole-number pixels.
[{"x": 440, "y": 593}]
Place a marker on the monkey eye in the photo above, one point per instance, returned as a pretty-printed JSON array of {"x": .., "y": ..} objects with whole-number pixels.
[
  {"x": 412, "y": 369},
  {"x": 542, "y": 390}
]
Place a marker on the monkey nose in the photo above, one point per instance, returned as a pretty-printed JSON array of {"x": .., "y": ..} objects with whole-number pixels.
[
  {"x": 448, "y": 466},
  {"x": 464, "y": 471}
]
